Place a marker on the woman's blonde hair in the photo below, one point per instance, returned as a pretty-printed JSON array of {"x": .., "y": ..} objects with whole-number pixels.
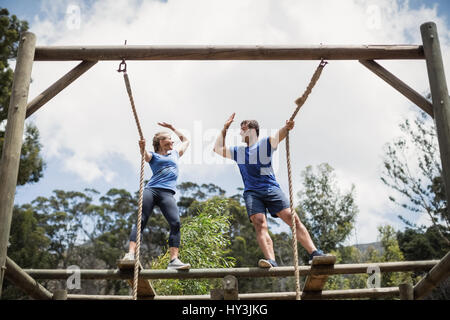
[{"x": 157, "y": 138}]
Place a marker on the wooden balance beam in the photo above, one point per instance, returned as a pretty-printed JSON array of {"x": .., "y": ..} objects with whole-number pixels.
[
  {"x": 144, "y": 288},
  {"x": 315, "y": 282}
]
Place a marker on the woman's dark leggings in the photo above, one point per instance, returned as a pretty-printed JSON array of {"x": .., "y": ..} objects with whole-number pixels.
[{"x": 164, "y": 199}]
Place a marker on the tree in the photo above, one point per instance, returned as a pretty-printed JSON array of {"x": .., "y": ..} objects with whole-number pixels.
[
  {"x": 191, "y": 191},
  {"x": 412, "y": 167},
  {"x": 62, "y": 216},
  {"x": 328, "y": 214},
  {"x": 422, "y": 245},
  {"x": 390, "y": 253},
  {"x": 205, "y": 243},
  {"x": 31, "y": 163},
  {"x": 346, "y": 255},
  {"x": 29, "y": 246}
]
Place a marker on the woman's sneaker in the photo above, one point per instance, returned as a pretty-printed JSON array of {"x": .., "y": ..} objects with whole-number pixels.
[
  {"x": 267, "y": 263},
  {"x": 176, "y": 264},
  {"x": 129, "y": 256}
]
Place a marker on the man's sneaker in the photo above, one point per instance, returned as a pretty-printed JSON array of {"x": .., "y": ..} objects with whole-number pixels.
[
  {"x": 267, "y": 263},
  {"x": 176, "y": 264},
  {"x": 129, "y": 256},
  {"x": 316, "y": 253}
]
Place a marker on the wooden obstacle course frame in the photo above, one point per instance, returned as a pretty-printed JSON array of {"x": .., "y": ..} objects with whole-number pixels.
[
  {"x": 437, "y": 270},
  {"x": 19, "y": 109}
]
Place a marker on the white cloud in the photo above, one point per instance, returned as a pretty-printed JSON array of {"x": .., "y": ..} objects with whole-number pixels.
[{"x": 350, "y": 115}]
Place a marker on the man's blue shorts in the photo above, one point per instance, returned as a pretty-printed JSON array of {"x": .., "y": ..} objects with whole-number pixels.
[{"x": 272, "y": 200}]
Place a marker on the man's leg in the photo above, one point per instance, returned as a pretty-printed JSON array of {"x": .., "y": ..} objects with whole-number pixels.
[
  {"x": 262, "y": 235},
  {"x": 302, "y": 233}
]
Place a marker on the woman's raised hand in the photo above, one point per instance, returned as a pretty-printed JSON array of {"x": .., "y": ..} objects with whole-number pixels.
[{"x": 166, "y": 125}]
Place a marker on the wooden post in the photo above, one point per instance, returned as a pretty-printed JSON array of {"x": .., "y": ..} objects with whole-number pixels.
[
  {"x": 406, "y": 291},
  {"x": 60, "y": 294},
  {"x": 9, "y": 165},
  {"x": 145, "y": 289},
  {"x": 440, "y": 272},
  {"x": 230, "y": 288},
  {"x": 216, "y": 294},
  {"x": 439, "y": 94},
  {"x": 315, "y": 282}
]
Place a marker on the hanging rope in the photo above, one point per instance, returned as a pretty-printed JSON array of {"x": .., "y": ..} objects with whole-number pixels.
[
  {"x": 123, "y": 68},
  {"x": 300, "y": 101}
]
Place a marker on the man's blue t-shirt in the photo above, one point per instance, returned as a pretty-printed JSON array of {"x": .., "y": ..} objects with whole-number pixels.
[
  {"x": 255, "y": 164},
  {"x": 165, "y": 170}
]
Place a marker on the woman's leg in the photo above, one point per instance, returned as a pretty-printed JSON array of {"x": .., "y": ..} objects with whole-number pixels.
[
  {"x": 173, "y": 253},
  {"x": 169, "y": 209},
  {"x": 147, "y": 208}
]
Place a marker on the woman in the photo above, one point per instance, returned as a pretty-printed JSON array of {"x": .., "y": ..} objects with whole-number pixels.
[{"x": 160, "y": 190}]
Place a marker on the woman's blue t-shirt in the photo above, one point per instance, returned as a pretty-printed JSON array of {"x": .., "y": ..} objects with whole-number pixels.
[
  {"x": 255, "y": 165},
  {"x": 165, "y": 170}
]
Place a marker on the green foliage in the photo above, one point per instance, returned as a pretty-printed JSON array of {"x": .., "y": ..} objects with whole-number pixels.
[
  {"x": 204, "y": 244},
  {"x": 63, "y": 218},
  {"x": 412, "y": 167},
  {"x": 422, "y": 245},
  {"x": 326, "y": 213},
  {"x": 29, "y": 246},
  {"x": 31, "y": 163},
  {"x": 10, "y": 29},
  {"x": 345, "y": 255},
  {"x": 390, "y": 253},
  {"x": 191, "y": 191}
]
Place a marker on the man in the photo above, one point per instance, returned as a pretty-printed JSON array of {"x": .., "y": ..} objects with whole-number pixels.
[{"x": 262, "y": 192}]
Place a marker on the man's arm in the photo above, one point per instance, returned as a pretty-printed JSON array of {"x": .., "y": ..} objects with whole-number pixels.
[
  {"x": 220, "y": 148},
  {"x": 281, "y": 134}
]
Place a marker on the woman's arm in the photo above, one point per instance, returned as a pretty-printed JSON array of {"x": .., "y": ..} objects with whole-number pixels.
[
  {"x": 184, "y": 141},
  {"x": 148, "y": 156}
]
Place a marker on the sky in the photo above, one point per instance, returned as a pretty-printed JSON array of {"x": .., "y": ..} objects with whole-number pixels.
[{"x": 88, "y": 134}]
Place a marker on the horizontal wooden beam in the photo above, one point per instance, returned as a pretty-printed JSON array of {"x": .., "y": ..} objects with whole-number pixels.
[
  {"x": 321, "y": 295},
  {"x": 437, "y": 274},
  {"x": 91, "y": 274},
  {"x": 400, "y": 86},
  {"x": 362, "y": 52},
  {"x": 22, "y": 280},
  {"x": 326, "y": 295},
  {"x": 58, "y": 86}
]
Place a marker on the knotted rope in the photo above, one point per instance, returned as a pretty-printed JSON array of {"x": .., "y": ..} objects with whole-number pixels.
[
  {"x": 300, "y": 101},
  {"x": 123, "y": 68}
]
